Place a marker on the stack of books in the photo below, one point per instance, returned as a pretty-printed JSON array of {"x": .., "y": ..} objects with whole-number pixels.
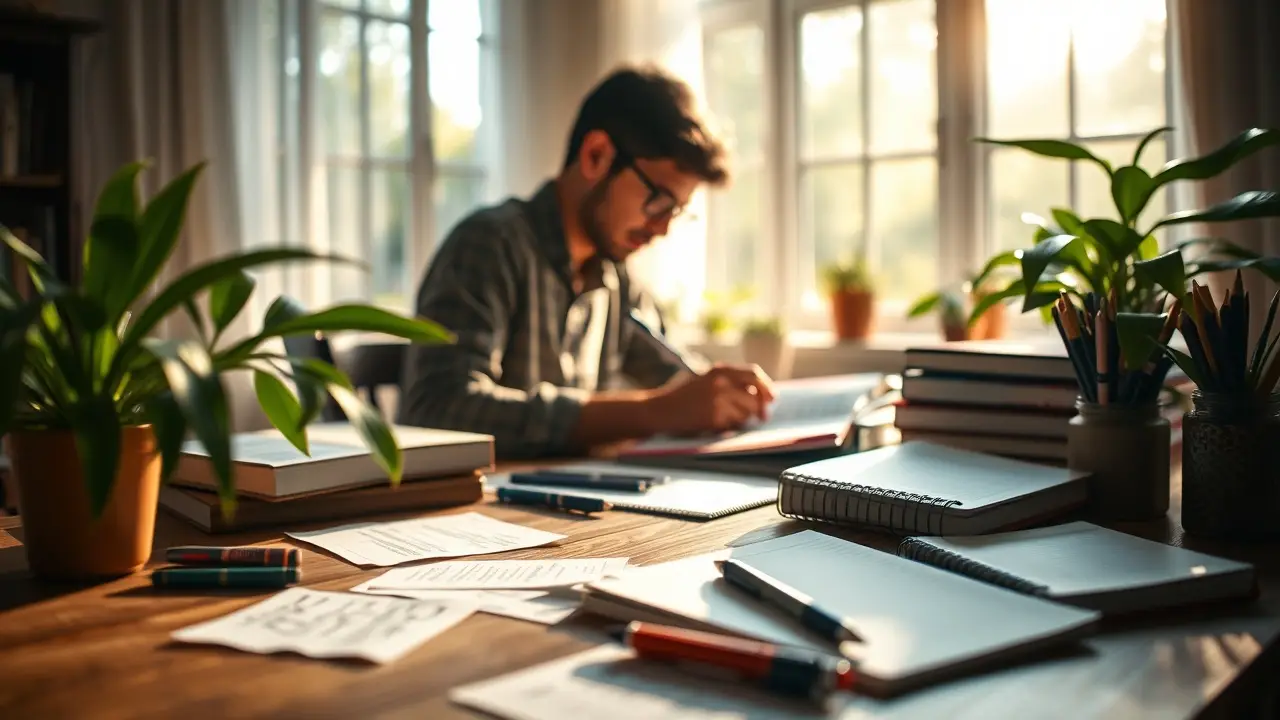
[
  {"x": 276, "y": 484},
  {"x": 1010, "y": 398}
]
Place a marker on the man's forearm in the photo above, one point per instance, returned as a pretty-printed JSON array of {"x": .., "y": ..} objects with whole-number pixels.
[{"x": 612, "y": 416}]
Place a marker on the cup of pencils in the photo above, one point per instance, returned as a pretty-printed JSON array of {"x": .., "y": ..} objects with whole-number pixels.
[
  {"x": 1118, "y": 435},
  {"x": 1231, "y": 437}
]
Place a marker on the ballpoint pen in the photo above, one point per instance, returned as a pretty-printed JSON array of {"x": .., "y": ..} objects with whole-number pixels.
[
  {"x": 520, "y": 496},
  {"x": 785, "y": 670},
  {"x": 588, "y": 479},
  {"x": 788, "y": 599}
]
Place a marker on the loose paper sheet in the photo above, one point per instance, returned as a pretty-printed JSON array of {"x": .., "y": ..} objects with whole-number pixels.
[
  {"x": 536, "y": 606},
  {"x": 323, "y": 624},
  {"x": 392, "y": 543},
  {"x": 609, "y": 682},
  {"x": 500, "y": 574}
]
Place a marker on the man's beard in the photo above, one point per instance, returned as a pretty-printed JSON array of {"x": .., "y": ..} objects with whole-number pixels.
[{"x": 593, "y": 225}]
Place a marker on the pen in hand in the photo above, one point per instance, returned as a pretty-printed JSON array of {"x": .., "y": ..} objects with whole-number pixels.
[{"x": 788, "y": 599}]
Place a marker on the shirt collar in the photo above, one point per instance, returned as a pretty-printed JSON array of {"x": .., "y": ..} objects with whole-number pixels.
[{"x": 548, "y": 229}]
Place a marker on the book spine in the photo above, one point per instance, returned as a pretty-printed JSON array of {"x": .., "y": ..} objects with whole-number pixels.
[
  {"x": 816, "y": 499},
  {"x": 922, "y": 551}
]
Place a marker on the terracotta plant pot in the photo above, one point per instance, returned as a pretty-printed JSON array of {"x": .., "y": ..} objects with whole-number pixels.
[
  {"x": 952, "y": 333},
  {"x": 853, "y": 313},
  {"x": 63, "y": 540},
  {"x": 771, "y": 352},
  {"x": 992, "y": 324}
]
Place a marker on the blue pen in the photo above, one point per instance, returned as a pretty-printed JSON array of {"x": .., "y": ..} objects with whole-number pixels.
[
  {"x": 518, "y": 496},
  {"x": 589, "y": 480},
  {"x": 788, "y": 599}
]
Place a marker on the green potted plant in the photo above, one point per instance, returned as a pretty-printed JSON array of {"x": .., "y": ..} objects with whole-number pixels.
[
  {"x": 953, "y": 307},
  {"x": 1083, "y": 256},
  {"x": 95, "y": 408},
  {"x": 718, "y": 309},
  {"x": 764, "y": 343},
  {"x": 851, "y": 291}
]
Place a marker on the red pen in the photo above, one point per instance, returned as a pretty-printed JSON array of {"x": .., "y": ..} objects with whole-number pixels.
[{"x": 786, "y": 670}]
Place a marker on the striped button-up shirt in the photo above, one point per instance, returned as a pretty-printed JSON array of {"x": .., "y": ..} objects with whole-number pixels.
[{"x": 530, "y": 350}]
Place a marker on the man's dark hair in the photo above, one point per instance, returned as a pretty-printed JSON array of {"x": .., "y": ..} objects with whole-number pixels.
[{"x": 650, "y": 114}]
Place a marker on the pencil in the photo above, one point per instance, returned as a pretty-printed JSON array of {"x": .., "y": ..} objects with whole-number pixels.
[{"x": 1102, "y": 339}]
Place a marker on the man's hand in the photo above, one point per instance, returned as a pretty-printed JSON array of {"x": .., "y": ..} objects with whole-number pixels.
[{"x": 723, "y": 398}]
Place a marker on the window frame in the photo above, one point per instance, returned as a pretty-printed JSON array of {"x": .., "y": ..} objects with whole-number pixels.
[{"x": 964, "y": 174}]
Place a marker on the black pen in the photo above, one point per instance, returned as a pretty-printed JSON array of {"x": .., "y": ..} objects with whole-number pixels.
[
  {"x": 587, "y": 480},
  {"x": 519, "y": 496}
]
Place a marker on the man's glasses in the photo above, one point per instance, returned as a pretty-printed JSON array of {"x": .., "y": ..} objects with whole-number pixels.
[{"x": 660, "y": 202}]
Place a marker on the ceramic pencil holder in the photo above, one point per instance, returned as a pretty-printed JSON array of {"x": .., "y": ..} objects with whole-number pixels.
[
  {"x": 1231, "y": 465},
  {"x": 1126, "y": 450}
]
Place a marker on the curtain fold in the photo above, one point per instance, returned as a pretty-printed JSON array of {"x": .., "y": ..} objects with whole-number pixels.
[{"x": 1229, "y": 64}]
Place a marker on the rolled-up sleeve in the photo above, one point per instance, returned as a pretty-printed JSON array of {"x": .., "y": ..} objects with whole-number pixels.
[{"x": 472, "y": 288}]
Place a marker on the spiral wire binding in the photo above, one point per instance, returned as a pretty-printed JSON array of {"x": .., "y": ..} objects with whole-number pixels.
[
  {"x": 819, "y": 499},
  {"x": 923, "y": 551}
]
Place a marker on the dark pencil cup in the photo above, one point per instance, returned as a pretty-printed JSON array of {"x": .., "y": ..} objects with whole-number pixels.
[
  {"x": 1231, "y": 466},
  {"x": 1126, "y": 449}
]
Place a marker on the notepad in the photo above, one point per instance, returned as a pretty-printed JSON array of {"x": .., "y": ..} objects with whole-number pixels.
[
  {"x": 1088, "y": 566},
  {"x": 690, "y": 494},
  {"x": 920, "y": 624},
  {"x": 922, "y": 487}
]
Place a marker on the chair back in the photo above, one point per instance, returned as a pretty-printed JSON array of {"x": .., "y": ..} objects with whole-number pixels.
[{"x": 315, "y": 347}]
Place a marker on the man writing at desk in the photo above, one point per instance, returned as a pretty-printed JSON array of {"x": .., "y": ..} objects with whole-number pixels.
[{"x": 538, "y": 294}]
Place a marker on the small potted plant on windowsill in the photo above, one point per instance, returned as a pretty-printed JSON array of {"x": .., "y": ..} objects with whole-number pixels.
[
  {"x": 959, "y": 320},
  {"x": 94, "y": 409},
  {"x": 764, "y": 343},
  {"x": 848, "y": 285}
]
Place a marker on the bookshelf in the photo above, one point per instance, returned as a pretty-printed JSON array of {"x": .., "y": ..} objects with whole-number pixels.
[{"x": 37, "y": 188}]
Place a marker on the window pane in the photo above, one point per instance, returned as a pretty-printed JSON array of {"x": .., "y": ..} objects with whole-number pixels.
[
  {"x": 904, "y": 91},
  {"x": 904, "y": 220},
  {"x": 1027, "y": 44},
  {"x": 832, "y": 218},
  {"x": 340, "y": 83},
  {"x": 455, "y": 96},
  {"x": 394, "y": 8},
  {"x": 1093, "y": 191},
  {"x": 350, "y": 4},
  {"x": 1120, "y": 66},
  {"x": 346, "y": 232},
  {"x": 460, "y": 18},
  {"x": 831, "y": 82},
  {"x": 391, "y": 212},
  {"x": 455, "y": 196},
  {"x": 1022, "y": 183},
  {"x": 735, "y": 86},
  {"x": 734, "y": 231},
  {"x": 388, "y": 45}
]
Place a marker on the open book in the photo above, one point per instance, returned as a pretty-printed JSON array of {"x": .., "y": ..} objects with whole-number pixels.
[
  {"x": 1088, "y": 566},
  {"x": 919, "y": 625}
]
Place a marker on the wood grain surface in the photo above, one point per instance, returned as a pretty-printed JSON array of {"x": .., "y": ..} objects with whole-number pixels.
[{"x": 103, "y": 651}]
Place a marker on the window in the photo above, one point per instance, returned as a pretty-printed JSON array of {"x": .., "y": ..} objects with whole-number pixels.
[
  {"x": 387, "y": 106},
  {"x": 851, "y": 125}
]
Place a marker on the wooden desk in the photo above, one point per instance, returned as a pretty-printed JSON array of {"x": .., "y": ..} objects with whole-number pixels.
[{"x": 104, "y": 651}]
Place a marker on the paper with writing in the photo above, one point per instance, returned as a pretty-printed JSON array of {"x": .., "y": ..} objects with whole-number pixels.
[
  {"x": 609, "y": 682},
  {"x": 392, "y": 543},
  {"x": 536, "y": 606},
  {"x": 500, "y": 574},
  {"x": 323, "y": 624}
]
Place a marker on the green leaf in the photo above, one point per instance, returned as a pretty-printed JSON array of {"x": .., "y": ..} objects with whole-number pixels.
[
  {"x": 1185, "y": 362},
  {"x": 364, "y": 318},
  {"x": 111, "y": 250},
  {"x": 1131, "y": 188},
  {"x": 1063, "y": 248},
  {"x": 1070, "y": 223},
  {"x": 228, "y": 297},
  {"x": 1138, "y": 334},
  {"x": 13, "y": 352},
  {"x": 1008, "y": 258},
  {"x": 986, "y": 302},
  {"x": 198, "y": 390},
  {"x": 1137, "y": 154},
  {"x": 281, "y": 309},
  {"x": 170, "y": 428},
  {"x": 1245, "y": 206},
  {"x": 1256, "y": 367},
  {"x": 1148, "y": 248},
  {"x": 281, "y": 408},
  {"x": 1118, "y": 240},
  {"x": 373, "y": 431},
  {"x": 97, "y": 432},
  {"x": 1215, "y": 163},
  {"x": 311, "y": 376},
  {"x": 196, "y": 279},
  {"x": 925, "y": 305},
  {"x": 1268, "y": 266},
  {"x": 1053, "y": 149},
  {"x": 119, "y": 195},
  {"x": 1042, "y": 295},
  {"x": 159, "y": 229},
  {"x": 1166, "y": 271},
  {"x": 42, "y": 276}
]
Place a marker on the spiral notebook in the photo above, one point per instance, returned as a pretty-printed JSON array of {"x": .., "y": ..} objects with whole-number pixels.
[
  {"x": 688, "y": 494},
  {"x": 921, "y": 487},
  {"x": 1088, "y": 566}
]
